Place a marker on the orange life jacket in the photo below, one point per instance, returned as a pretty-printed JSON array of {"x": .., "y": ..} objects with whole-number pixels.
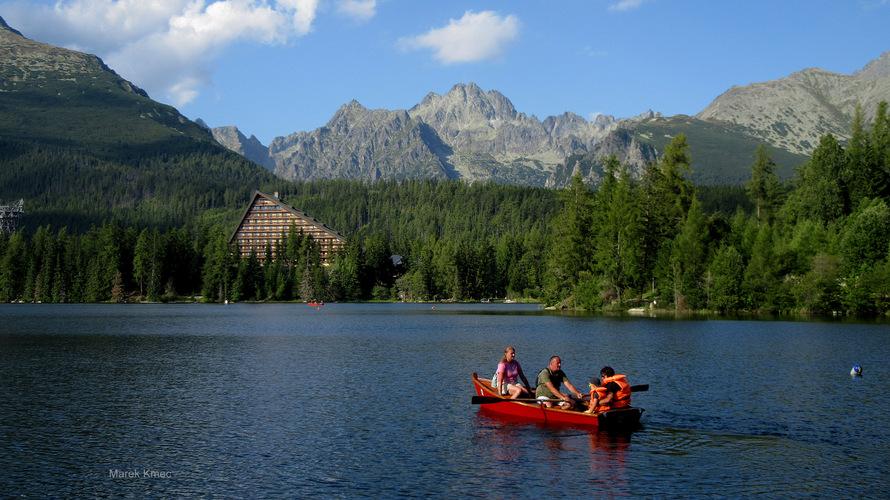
[
  {"x": 622, "y": 397},
  {"x": 599, "y": 392}
]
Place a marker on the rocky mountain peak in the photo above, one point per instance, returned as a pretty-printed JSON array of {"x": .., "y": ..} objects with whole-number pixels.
[
  {"x": 232, "y": 138},
  {"x": 792, "y": 113},
  {"x": 877, "y": 68},
  {"x": 6, "y": 27},
  {"x": 466, "y": 105}
]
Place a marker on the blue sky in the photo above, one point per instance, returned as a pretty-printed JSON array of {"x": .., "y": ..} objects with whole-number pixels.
[{"x": 277, "y": 67}]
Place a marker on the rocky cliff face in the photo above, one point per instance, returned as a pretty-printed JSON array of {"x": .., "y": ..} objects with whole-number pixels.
[
  {"x": 794, "y": 112},
  {"x": 251, "y": 148},
  {"x": 466, "y": 134},
  {"x": 622, "y": 143},
  {"x": 359, "y": 143},
  {"x": 490, "y": 140}
]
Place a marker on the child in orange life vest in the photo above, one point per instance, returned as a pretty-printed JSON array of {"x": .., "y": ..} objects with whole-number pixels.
[
  {"x": 597, "y": 392},
  {"x": 613, "y": 392}
]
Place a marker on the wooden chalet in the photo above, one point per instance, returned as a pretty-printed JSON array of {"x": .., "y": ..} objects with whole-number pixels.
[{"x": 267, "y": 220}]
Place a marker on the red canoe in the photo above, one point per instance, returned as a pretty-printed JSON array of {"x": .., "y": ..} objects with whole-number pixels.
[{"x": 623, "y": 418}]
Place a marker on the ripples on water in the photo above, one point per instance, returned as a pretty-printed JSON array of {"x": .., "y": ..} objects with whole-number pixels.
[{"x": 373, "y": 401}]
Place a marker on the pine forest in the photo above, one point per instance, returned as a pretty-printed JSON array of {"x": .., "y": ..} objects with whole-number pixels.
[{"x": 817, "y": 244}]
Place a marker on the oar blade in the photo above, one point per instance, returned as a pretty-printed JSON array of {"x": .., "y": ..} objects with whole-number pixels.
[
  {"x": 639, "y": 388},
  {"x": 484, "y": 400}
]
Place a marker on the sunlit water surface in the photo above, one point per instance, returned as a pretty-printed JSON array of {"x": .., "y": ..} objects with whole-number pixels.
[{"x": 373, "y": 400}]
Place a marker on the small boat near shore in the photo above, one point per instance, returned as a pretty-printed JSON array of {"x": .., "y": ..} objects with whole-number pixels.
[{"x": 626, "y": 418}]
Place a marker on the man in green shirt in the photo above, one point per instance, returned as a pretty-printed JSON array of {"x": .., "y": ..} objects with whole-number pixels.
[{"x": 549, "y": 381}]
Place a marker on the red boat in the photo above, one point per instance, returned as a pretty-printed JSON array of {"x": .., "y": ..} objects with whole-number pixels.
[{"x": 627, "y": 417}]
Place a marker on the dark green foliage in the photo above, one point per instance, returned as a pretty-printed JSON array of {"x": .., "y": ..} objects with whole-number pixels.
[
  {"x": 618, "y": 233},
  {"x": 866, "y": 238},
  {"x": 77, "y": 190},
  {"x": 724, "y": 199},
  {"x": 571, "y": 254},
  {"x": 689, "y": 260},
  {"x": 764, "y": 189},
  {"x": 725, "y": 280}
]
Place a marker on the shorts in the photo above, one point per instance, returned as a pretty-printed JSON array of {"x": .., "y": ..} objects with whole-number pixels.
[{"x": 558, "y": 404}]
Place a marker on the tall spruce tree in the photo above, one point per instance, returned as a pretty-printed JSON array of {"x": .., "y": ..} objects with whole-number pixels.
[
  {"x": 619, "y": 230},
  {"x": 689, "y": 258},
  {"x": 764, "y": 188},
  {"x": 571, "y": 252}
]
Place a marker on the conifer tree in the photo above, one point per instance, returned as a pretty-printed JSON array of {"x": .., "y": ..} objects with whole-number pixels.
[
  {"x": 571, "y": 252},
  {"x": 689, "y": 258},
  {"x": 665, "y": 199},
  {"x": 726, "y": 272},
  {"x": 218, "y": 265},
  {"x": 764, "y": 188},
  {"x": 821, "y": 193},
  {"x": 618, "y": 235},
  {"x": 13, "y": 267}
]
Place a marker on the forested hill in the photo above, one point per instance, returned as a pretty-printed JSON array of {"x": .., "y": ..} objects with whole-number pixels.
[{"x": 80, "y": 144}]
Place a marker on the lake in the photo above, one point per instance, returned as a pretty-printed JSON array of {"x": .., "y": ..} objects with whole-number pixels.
[{"x": 373, "y": 400}]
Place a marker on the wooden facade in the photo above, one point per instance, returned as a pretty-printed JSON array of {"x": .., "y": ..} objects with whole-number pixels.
[
  {"x": 267, "y": 220},
  {"x": 10, "y": 215}
]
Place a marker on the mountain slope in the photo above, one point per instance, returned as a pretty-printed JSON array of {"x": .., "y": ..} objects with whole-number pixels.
[
  {"x": 74, "y": 99},
  {"x": 792, "y": 113},
  {"x": 81, "y": 145}
]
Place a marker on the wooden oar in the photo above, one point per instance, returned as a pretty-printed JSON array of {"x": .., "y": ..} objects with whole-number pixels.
[{"x": 484, "y": 400}]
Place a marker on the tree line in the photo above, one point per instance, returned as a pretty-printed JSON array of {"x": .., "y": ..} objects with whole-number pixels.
[
  {"x": 817, "y": 244},
  {"x": 446, "y": 232}
]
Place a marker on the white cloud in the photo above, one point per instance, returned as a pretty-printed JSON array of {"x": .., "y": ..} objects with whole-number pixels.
[
  {"x": 166, "y": 47},
  {"x": 360, "y": 10},
  {"x": 626, "y": 4},
  {"x": 472, "y": 38}
]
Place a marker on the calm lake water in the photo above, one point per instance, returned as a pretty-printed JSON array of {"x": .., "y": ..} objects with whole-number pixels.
[{"x": 373, "y": 400}]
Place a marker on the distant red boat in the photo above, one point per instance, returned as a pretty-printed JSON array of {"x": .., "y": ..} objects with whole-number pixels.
[
  {"x": 316, "y": 303},
  {"x": 527, "y": 409}
]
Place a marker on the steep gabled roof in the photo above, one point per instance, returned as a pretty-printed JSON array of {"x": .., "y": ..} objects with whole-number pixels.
[{"x": 258, "y": 194}]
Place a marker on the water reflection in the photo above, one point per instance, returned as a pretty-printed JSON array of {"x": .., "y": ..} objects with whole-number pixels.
[{"x": 513, "y": 442}]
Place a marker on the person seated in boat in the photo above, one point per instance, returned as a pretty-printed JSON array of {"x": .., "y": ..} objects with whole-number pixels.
[
  {"x": 548, "y": 384},
  {"x": 612, "y": 392},
  {"x": 508, "y": 375}
]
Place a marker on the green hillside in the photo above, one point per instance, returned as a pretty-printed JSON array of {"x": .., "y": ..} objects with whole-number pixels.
[
  {"x": 80, "y": 145},
  {"x": 721, "y": 153}
]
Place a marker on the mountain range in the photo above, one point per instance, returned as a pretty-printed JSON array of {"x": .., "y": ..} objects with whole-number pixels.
[
  {"x": 57, "y": 96},
  {"x": 475, "y": 135}
]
